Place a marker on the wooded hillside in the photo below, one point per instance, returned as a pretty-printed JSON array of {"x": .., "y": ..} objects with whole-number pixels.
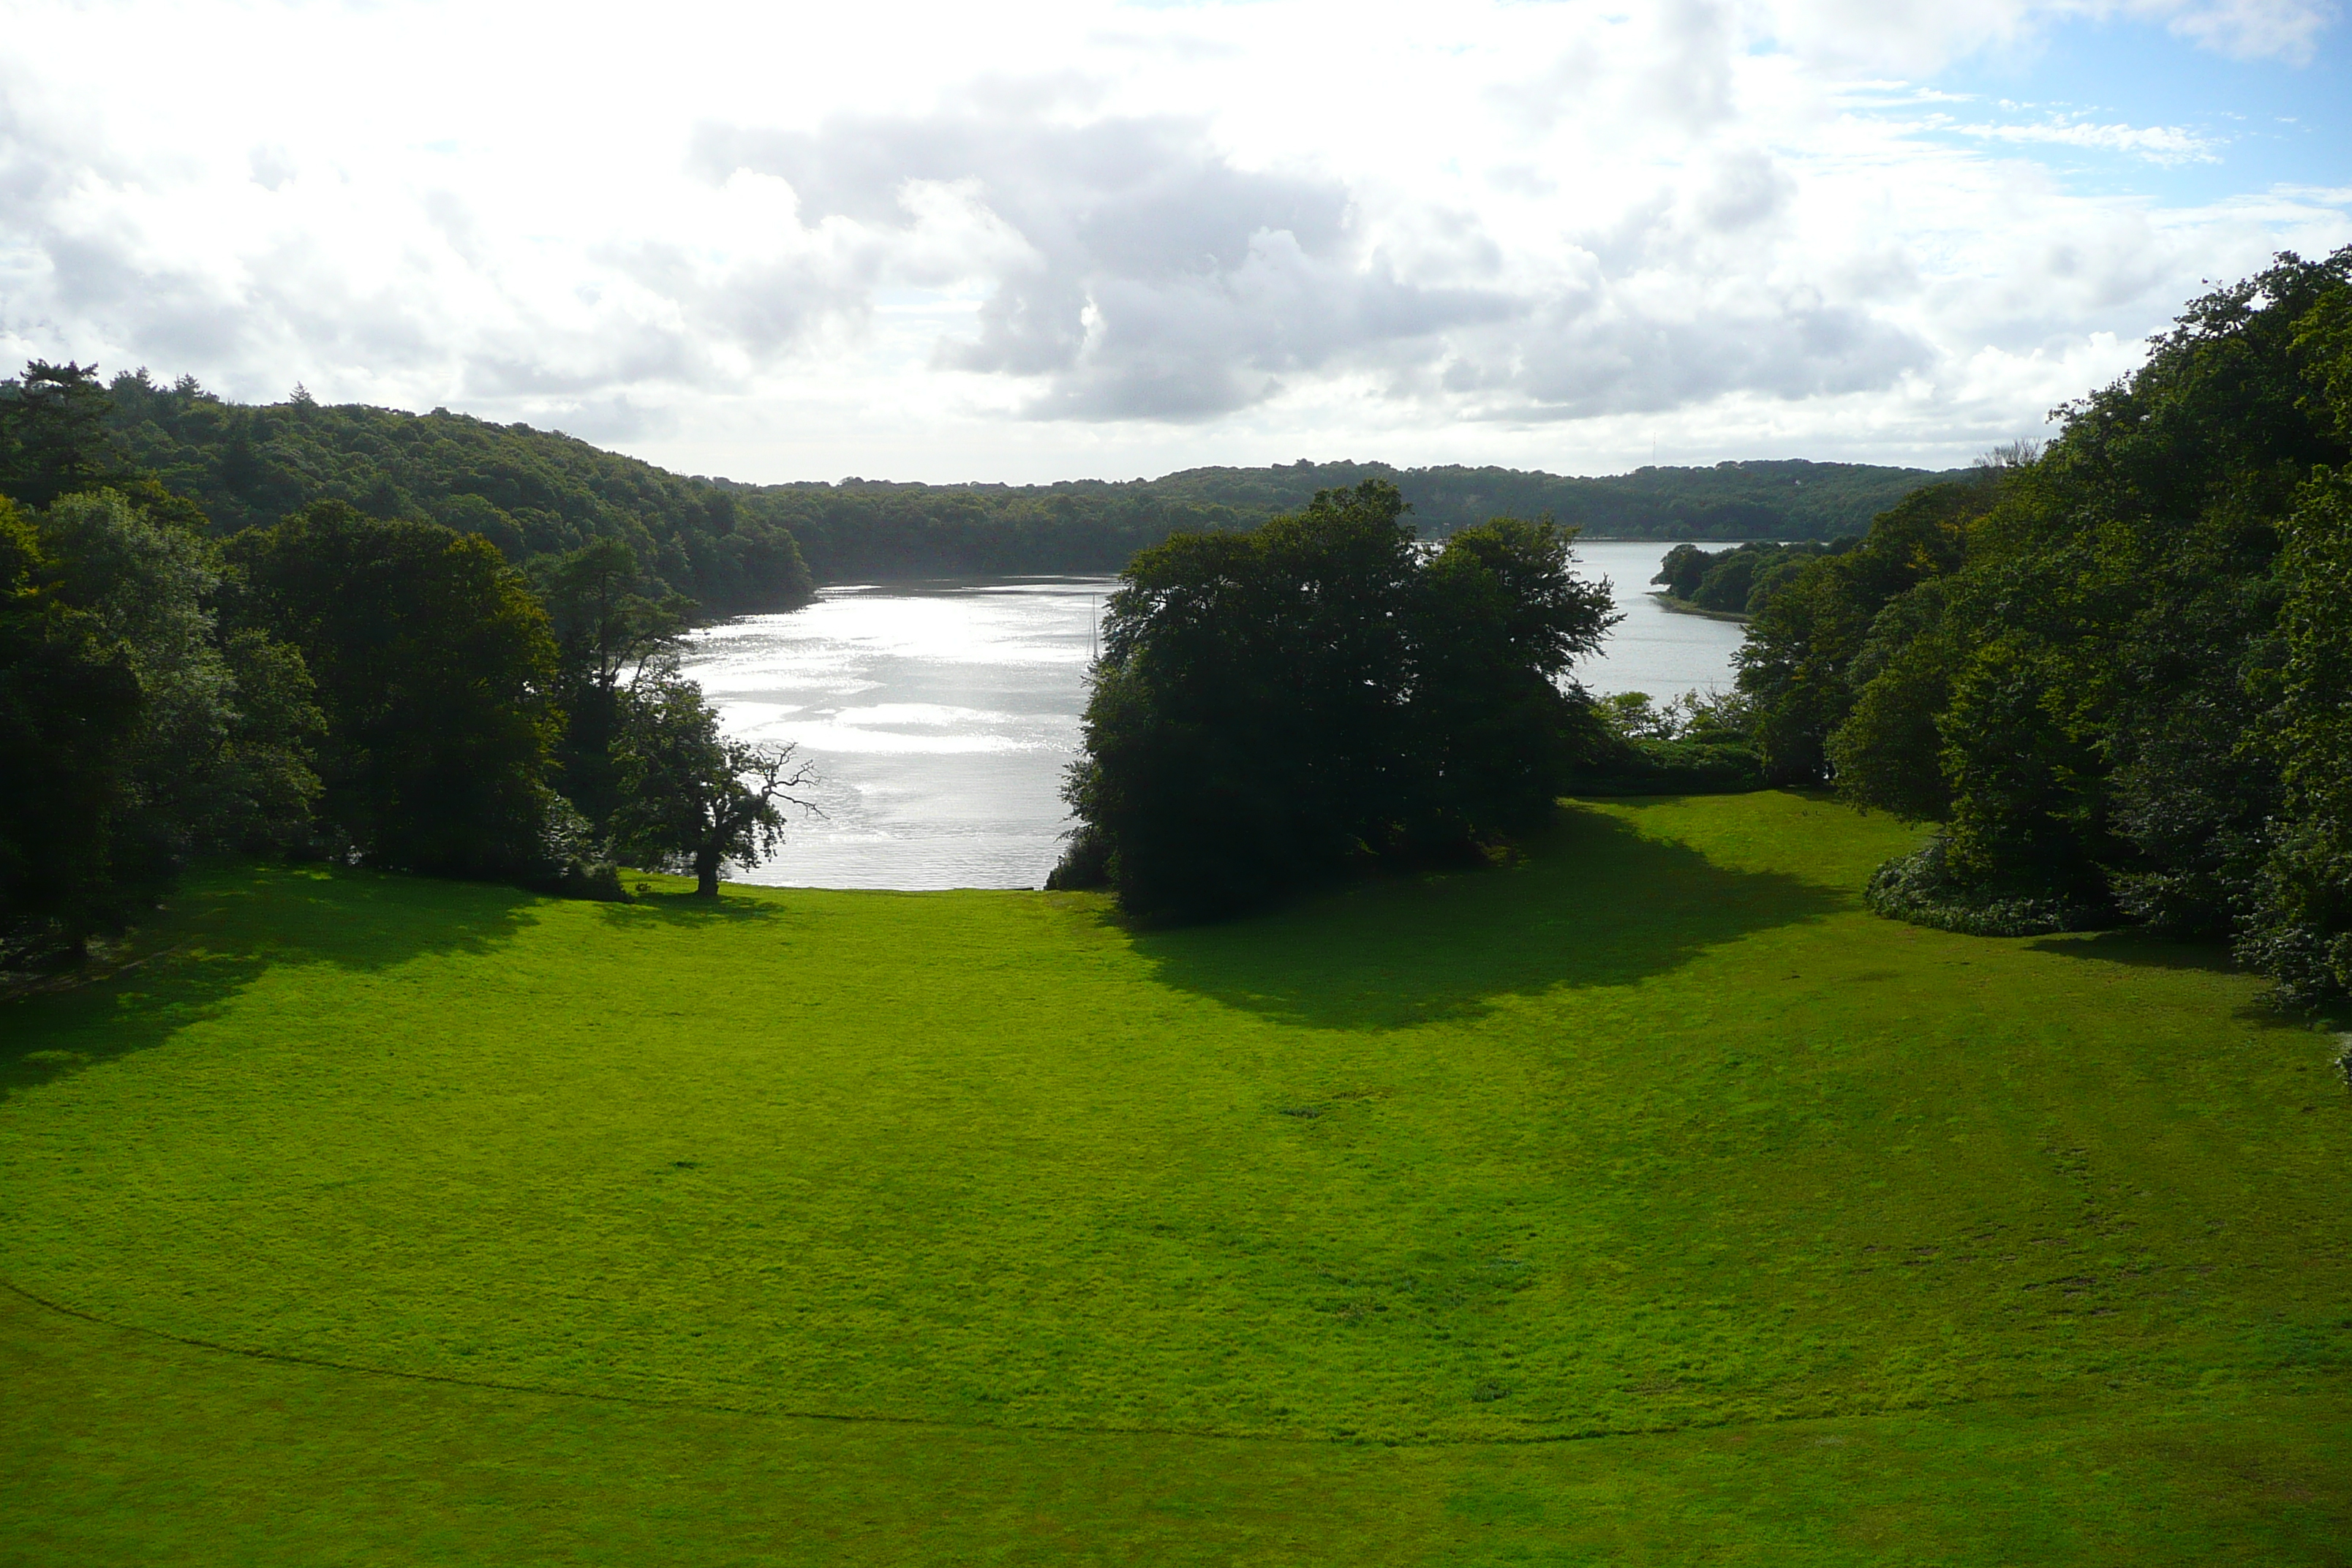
[
  {"x": 531, "y": 493},
  {"x": 729, "y": 545}
]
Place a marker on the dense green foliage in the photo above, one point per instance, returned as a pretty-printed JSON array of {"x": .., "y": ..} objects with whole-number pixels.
[
  {"x": 1733, "y": 582},
  {"x": 53, "y": 435},
  {"x": 69, "y": 710},
  {"x": 138, "y": 731},
  {"x": 219, "y": 756},
  {"x": 2299, "y": 927},
  {"x": 434, "y": 668},
  {"x": 387, "y": 689},
  {"x": 1645, "y": 1201},
  {"x": 2114, "y": 671},
  {"x": 1805, "y": 653},
  {"x": 532, "y": 493},
  {"x": 1272, "y": 707}
]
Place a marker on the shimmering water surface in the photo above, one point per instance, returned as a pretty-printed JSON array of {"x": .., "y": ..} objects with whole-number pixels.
[{"x": 940, "y": 715}]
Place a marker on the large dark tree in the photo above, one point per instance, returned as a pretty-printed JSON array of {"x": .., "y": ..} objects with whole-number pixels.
[
  {"x": 435, "y": 670},
  {"x": 69, "y": 712},
  {"x": 1499, "y": 618},
  {"x": 691, "y": 798},
  {"x": 1243, "y": 733},
  {"x": 219, "y": 759},
  {"x": 1270, "y": 707}
]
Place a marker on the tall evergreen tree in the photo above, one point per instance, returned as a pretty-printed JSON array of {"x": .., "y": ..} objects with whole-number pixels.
[{"x": 54, "y": 439}]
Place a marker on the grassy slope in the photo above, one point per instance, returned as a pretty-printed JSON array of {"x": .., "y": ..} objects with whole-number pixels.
[{"x": 1317, "y": 1235}]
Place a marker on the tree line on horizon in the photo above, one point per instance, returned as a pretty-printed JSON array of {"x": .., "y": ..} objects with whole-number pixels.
[
  {"x": 861, "y": 527},
  {"x": 735, "y": 548},
  {"x": 531, "y": 493}
]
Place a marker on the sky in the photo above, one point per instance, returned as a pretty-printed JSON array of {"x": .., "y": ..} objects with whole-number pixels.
[{"x": 1088, "y": 239}]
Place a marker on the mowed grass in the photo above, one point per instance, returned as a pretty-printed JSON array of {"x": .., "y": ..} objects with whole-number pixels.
[{"x": 1645, "y": 1202}]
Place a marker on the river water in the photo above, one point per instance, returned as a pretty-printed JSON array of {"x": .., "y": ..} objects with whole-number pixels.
[{"x": 940, "y": 716}]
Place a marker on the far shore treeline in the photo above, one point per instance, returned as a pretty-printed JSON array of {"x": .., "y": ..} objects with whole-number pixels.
[{"x": 735, "y": 547}]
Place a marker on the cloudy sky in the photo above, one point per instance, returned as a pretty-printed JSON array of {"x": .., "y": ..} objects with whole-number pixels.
[{"x": 1071, "y": 238}]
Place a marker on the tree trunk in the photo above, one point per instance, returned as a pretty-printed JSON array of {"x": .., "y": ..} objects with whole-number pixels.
[{"x": 705, "y": 873}]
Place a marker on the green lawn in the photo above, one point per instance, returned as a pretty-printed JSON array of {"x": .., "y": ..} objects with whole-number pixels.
[{"x": 1644, "y": 1202}]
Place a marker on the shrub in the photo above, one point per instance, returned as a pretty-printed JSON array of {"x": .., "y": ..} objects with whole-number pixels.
[{"x": 1923, "y": 888}]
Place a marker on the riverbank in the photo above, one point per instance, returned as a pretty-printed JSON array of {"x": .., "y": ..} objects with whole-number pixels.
[{"x": 1684, "y": 607}]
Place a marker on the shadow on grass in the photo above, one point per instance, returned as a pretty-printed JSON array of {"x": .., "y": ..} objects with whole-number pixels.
[
  {"x": 226, "y": 929},
  {"x": 2142, "y": 951},
  {"x": 686, "y": 910},
  {"x": 1594, "y": 903},
  {"x": 2138, "y": 950}
]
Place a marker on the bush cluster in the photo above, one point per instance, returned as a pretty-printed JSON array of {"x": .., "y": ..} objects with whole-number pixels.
[
  {"x": 1693, "y": 744},
  {"x": 1922, "y": 889}
]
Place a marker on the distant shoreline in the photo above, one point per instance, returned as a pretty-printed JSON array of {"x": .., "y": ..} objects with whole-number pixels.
[{"x": 1684, "y": 607}]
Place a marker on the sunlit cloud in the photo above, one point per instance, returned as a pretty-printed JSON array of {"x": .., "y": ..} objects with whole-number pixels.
[{"x": 2156, "y": 143}]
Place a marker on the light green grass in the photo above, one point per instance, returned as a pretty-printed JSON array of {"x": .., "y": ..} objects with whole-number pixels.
[{"x": 1646, "y": 1202}]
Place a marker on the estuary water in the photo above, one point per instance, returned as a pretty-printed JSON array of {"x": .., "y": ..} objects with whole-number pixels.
[{"x": 940, "y": 715}]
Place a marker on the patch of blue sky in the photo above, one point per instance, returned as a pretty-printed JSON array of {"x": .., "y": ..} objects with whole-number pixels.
[{"x": 2129, "y": 110}]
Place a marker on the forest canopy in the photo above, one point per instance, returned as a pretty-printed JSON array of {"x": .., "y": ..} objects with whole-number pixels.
[{"x": 532, "y": 493}]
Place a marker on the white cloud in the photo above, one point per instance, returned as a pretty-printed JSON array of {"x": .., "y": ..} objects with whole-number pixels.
[
  {"x": 2155, "y": 143},
  {"x": 2255, "y": 29},
  {"x": 1087, "y": 238}
]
